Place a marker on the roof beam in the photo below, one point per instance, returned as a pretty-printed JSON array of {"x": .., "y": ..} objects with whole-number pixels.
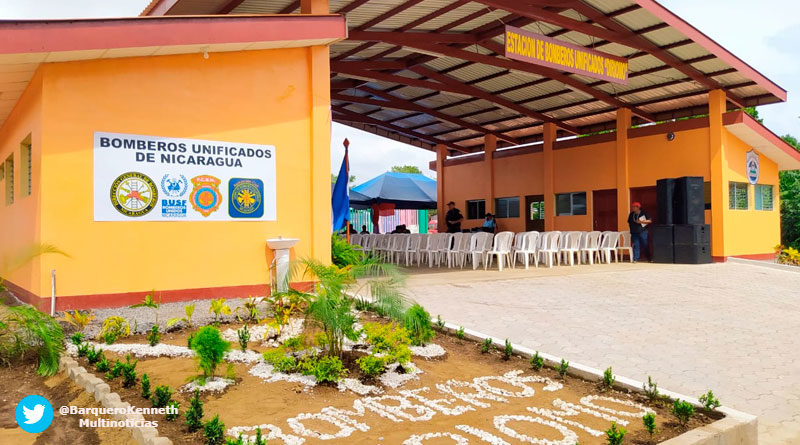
[
  {"x": 230, "y": 6},
  {"x": 290, "y": 8}
]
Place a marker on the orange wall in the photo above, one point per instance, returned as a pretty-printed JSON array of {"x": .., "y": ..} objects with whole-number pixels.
[
  {"x": 20, "y": 221},
  {"x": 261, "y": 97}
]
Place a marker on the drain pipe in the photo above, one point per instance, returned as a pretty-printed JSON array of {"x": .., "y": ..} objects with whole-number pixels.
[{"x": 53, "y": 293}]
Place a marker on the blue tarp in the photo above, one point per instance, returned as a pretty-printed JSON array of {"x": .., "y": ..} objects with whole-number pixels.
[{"x": 404, "y": 190}]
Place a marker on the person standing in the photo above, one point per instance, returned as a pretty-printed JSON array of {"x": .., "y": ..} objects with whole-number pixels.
[
  {"x": 364, "y": 230},
  {"x": 637, "y": 224},
  {"x": 453, "y": 218}
]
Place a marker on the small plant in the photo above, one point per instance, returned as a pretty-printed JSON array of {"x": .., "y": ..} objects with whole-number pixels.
[
  {"x": 93, "y": 355},
  {"x": 439, "y": 322},
  {"x": 249, "y": 310},
  {"x": 486, "y": 345},
  {"x": 507, "y": 350},
  {"x": 129, "y": 372},
  {"x": 390, "y": 340},
  {"x": 102, "y": 364},
  {"x": 683, "y": 411},
  {"x": 145, "y": 386},
  {"x": 363, "y": 305},
  {"x": 114, "y": 328},
  {"x": 562, "y": 368},
  {"x": 150, "y": 302},
  {"x": 460, "y": 333},
  {"x": 230, "y": 372},
  {"x": 214, "y": 431},
  {"x": 83, "y": 349},
  {"x": 614, "y": 435},
  {"x": 154, "y": 336},
  {"x": 189, "y": 340},
  {"x": 219, "y": 308},
  {"x": 115, "y": 370},
  {"x": 244, "y": 337},
  {"x": 417, "y": 322},
  {"x": 238, "y": 441},
  {"x": 710, "y": 403},
  {"x": 280, "y": 361},
  {"x": 371, "y": 365},
  {"x": 173, "y": 410},
  {"x": 329, "y": 369},
  {"x": 194, "y": 415},
  {"x": 162, "y": 396},
  {"x": 608, "y": 379},
  {"x": 537, "y": 361},
  {"x": 76, "y": 338},
  {"x": 210, "y": 348},
  {"x": 649, "y": 421},
  {"x": 296, "y": 343},
  {"x": 78, "y": 319},
  {"x": 189, "y": 311},
  {"x": 651, "y": 389},
  {"x": 259, "y": 440}
]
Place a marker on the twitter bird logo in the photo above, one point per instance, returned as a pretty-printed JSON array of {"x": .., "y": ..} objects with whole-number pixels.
[{"x": 34, "y": 414}]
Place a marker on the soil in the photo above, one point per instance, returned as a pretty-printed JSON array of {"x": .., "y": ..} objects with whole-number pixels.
[{"x": 252, "y": 402}]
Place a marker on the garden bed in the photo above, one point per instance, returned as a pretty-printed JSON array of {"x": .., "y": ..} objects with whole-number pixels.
[{"x": 467, "y": 394}]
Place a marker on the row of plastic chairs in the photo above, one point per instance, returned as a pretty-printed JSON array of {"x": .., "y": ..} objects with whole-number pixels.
[{"x": 570, "y": 247}]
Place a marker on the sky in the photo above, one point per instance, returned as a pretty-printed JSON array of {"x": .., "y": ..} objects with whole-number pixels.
[{"x": 765, "y": 34}]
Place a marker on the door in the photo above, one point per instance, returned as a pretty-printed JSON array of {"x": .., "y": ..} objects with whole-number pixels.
[
  {"x": 648, "y": 197},
  {"x": 604, "y": 210},
  {"x": 534, "y": 205}
]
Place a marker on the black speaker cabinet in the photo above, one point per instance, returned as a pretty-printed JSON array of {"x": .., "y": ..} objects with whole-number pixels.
[
  {"x": 663, "y": 243},
  {"x": 696, "y": 253},
  {"x": 665, "y": 195},
  {"x": 692, "y": 234},
  {"x": 689, "y": 200}
]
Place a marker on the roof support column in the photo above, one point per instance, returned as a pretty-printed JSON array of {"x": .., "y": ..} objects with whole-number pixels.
[
  {"x": 489, "y": 147},
  {"x": 623, "y": 167},
  {"x": 441, "y": 155},
  {"x": 320, "y": 153},
  {"x": 548, "y": 174},
  {"x": 314, "y": 7},
  {"x": 719, "y": 182}
]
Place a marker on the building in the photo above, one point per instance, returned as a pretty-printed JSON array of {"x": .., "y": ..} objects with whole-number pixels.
[{"x": 553, "y": 115}]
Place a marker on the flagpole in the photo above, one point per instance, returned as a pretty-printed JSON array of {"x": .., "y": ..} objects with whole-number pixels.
[{"x": 346, "y": 144}]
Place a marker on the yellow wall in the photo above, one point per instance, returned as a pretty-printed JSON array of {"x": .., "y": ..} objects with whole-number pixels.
[
  {"x": 19, "y": 223},
  {"x": 751, "y": 231},
  {"x": 260, "y": 97}
]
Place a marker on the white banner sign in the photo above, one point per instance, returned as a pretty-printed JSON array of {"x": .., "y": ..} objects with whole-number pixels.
[{"x": 150, "y": 178}]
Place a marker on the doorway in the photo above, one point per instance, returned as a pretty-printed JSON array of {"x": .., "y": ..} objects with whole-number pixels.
[
  {"x": 534, "y": 205},
  {"x": 648, "y": 197},
  {"x": 604, "y": 210}
]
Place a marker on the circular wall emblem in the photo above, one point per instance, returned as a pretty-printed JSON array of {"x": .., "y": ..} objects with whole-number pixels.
[
  {"x": 246, "y": 197},
  {"x": 134, "y": 194}
]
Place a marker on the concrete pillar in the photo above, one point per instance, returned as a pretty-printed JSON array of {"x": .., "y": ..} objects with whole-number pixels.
[
  {"x": 441, "y": 208},
  {"x": 489, "y": 147},
  {"x": 719, "y": 181},
  {"x": 549, "y": 136},
  {"x": 320, "y": 153},
  {"x": 623, "y": 168},
  {"x": 314, "y": 7}
]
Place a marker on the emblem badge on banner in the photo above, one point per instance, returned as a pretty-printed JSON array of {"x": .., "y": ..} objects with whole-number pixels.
[
  {"x": 245, "y": 198},
  {"x": 753, "y": 166},
  {"x": 205, "y": 197},
  {"x": 173, "y": 187},
  {"x": 134, "y": 194}
]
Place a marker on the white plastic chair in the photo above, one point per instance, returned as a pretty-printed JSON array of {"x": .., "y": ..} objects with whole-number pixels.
[
  {"x": 428, "y": 253},
  {"x": 549, "y": 249},
  {"x": 460, "y": 245},
  {"x": 482, "y": 244},
  {"x": 624, "y": 246},
  {"x": 530, "y": 247},
  {"x": 412, "y": 248},
  {"x": 519, "y": 239},
  {"x": 465, "y": 248},
  {"x": 444, "y": 249},
  {"x": 501, "y": 250},
  {"x": 608, "y": 246},
  {"x": 590, "y": 247}
]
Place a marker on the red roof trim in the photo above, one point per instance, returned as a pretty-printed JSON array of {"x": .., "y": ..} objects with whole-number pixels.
[
  {"x": 740, "y": 117},
  {"x": 711, "y": 46},
  {"x": 38, "y": 36}
]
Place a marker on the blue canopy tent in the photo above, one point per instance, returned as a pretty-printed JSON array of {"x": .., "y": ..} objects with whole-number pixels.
[{"x": 404, "y": 190}]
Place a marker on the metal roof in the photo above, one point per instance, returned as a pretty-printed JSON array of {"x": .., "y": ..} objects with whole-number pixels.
[{"x": 431, "y": 71}]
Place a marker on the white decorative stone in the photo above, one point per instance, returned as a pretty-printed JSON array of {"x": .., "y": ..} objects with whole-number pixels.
[{"x": 213, "y": 384}]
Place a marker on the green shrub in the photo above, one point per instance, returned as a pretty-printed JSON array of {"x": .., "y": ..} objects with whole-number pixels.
[
  {"x": 114, "y": 328},
  {"x": 343, "y": 253},
  {"x": 460, "y": 333},
  {"x": 649, "y": 421},
  {"x": 210, "y": 348},
  {"x": 154, "y": 336},
  {"x": 329, "y": 369},
  {"x": 175, "y": 408},
  {"x": 24, "y": 330},
  {"x": 439, "y": 322},
  {"x": 614, "y": 435},
  {"x": 189, "y": 340},
  {"x": 371, "y": 365},
  {"x": 507, "y": 350},
  {"x": 129, "y": 372},
  {"x": 115, "y": 370},
  {"x": 683, "y": 411},
  {"x": 259, "y": 440},
  {"x": 651, "y": 389},
  {"x": 219, "y": 308},
  {"x": 162, "y": 396},
  {"x": 76, "y": 338},
  {"x": 537, "y": 361},
  {"x": 145, "y": 386},
  {"x": 563, "y": 368},
  {"x": 280, "y": 361},
  {"x": 194, "y": 415},
  {"x": 390, "y": 340},
  {"x": 214, "y": 431},
  {"x": 102, "y": 364},
  {"x": 93, "y": 355},
  {"x": 244, "y": 337},
  {"x": 710, "y": 403},
  {"x": 608, "y": 378},
  {"x": 486, "y": 345},
  {"x": 297, "y": 343},
  {"x": 83, "y": 349},
  {"x": 364, "y": 305},
  {"x": 238, "y": 441},
  {"x": 417, "y": 322}
]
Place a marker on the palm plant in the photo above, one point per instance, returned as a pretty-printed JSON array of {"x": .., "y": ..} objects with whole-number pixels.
[
  {"x": 150, "y": 301},
  {"x": 24, "y": 329}
]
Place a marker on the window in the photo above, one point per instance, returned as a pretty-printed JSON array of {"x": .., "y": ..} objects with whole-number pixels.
[
  {"x": 763, "y": 197},
  {"x": 536, "y": 211},
  {"x": 507, "y": 207},
  {"x": 571, "y": 203},
  {"x": 476, "y": 209},
  {"x": 738, "y": 199},
  {"x": 25, "y": 159},
  {"x": 9, "y": 168}
]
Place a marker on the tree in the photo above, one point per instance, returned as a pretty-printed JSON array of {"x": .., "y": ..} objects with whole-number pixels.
[
  {"x": 790, "y": 201},
  {"x": 754, "y": 114},
  {"x": 335, "y": 177},
  {"x": 406, "y": 169}
]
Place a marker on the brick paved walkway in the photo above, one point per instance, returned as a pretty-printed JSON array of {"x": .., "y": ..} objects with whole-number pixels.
[{"x": 734, "y": 328}]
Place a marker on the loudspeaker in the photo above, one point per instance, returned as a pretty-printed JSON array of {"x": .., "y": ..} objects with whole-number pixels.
[
  {"x": 663, "y": 243},
  {"x": 665, "y": 193},
  {"x": 697, "y": 253},
  {"x": 689, "y": 200},
  {"x": 692, "y": 234}
]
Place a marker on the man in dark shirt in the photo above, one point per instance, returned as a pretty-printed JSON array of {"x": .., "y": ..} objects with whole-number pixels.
[
  {"x": 364, "y": 230},
  {"x": 637, "y": 222},
  {"x": 453, "y": 218}
]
